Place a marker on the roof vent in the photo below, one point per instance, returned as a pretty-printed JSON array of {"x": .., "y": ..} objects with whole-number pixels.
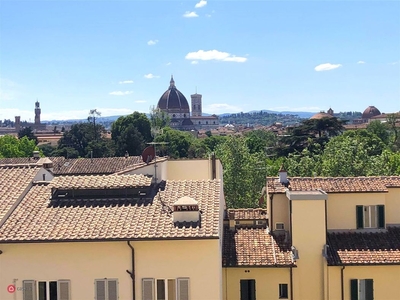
[{"x": 186, "y": 209}]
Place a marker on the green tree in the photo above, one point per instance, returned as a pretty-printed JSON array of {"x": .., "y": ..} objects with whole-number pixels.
[
  {"x": 380, "y": 129},
  {"x": 28, "y": 132},
  {"x": 11, "y": 146},
  {"x": 158, "y": 120},
  {"x": 131, "y": 133},
  {"x": 80, "y": 141},
  {"x": 177, "y": 143}
]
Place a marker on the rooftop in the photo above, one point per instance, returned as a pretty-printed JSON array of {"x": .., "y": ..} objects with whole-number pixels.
[
  {"x": 335, "y": 184},
  {"x": 355, "y": 248},
  {"x": 38, "y": 218}
]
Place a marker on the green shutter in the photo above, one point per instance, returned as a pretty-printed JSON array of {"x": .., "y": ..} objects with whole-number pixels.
[
  {"x": 244, "y": 290},
  {"x": 353, "y": 289},
  {"x": 381, "y": 216},
  {"x": 369, "y": 289},
  {"x": 360, "y": 216}
]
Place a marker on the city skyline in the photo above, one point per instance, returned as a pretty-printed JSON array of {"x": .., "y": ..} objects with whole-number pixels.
[{"x": 118, "y": 57}]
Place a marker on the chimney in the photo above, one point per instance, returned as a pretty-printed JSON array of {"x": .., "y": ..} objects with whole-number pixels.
[
  {"x": 232, "y": 221},
  {"x": 186, "y": 209},
  {"x": 283, "y": 176},
  {"x": 36, "y": 154}
]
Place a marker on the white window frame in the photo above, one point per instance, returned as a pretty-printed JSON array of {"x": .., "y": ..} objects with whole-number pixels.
[
  {"x": 166, "y": 290},
  {"x": 36, "y": 288},
  {"x": 176, "y": 286},
  {"x": 277, "y": 224}
]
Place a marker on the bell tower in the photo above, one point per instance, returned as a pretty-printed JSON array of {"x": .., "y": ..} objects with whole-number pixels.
[
  {"x": 196, "y": 105},
  {"x": 37, "y": 113}
]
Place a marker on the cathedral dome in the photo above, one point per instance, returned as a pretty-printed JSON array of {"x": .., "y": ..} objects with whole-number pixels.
[
  {"x": 173, "y": 100},
  {"x": 370, "y": 111}
]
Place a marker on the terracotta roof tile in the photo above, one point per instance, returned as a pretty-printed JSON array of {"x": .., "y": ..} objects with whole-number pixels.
[
  {"x": 100, "y": 181},
  {"x": 38, "y": 218},
  {"x": 254, "y": 247},
  {"x": 336, "y": 184},
  {"x": 247, "y": 214},
  {"x": 364, "y": 248},
  {"x": 13, "y": 181}
]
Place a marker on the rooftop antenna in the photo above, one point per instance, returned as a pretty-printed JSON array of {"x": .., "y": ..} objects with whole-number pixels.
[{"x": 154, "y": 144}]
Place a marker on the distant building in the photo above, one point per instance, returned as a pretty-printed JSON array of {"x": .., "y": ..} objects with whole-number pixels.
[{"x": 174, "y": 103}]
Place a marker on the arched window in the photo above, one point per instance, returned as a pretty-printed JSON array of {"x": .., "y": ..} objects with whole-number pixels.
[
  {"x": 173, "y": 115},
  {"x": 214, "y": 122},
  {"x": 207, "y": 122},
  {"x": 199, "y": 122},
  {"x": 184, "y": 115}
]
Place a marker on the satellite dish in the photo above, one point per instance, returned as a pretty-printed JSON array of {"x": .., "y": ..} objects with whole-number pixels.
[{"x": 148, "y": 154}]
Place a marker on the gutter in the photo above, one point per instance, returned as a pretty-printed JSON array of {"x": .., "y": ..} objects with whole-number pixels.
[
  {"x": 342, "y": 282},
  {"x": 132, "y": 272},
  {"x": 291, "y": 283}
]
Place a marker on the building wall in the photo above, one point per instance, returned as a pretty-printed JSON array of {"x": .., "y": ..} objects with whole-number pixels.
[
  {"x": 342, "y": 208},
  {"x": 82, "y": 263},
  {"x": 392, "y": 203},
  {"x": 190, "y": 169},
  {"x": 309, "y": 238},
  {"x": 386, "y": 280},
  {"x": 267, "y": 281},
  {"x": 280, "y": 210}
]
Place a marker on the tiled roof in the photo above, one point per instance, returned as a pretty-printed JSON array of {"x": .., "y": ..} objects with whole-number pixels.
[
  {"x": 335, "y": 184},
  {"x": 13, "y": 181},
  {"x": 354, "y": 248},
  {"x": 254, "y": 247},
  {"x": 100, "y": 181},
  {"x": 247, "y": 214},
  {"x": 82, "y": 166},
  {"x": 37, "y": 218}
]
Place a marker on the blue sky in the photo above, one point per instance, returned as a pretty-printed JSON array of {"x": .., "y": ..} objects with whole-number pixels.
[{"x": 118, "y": 56}]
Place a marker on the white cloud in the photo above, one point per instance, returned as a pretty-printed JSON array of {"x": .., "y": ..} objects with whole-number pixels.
[
  {"x": 152, "y": 42},
  {"x": 150, "y": 76},
  {"x": 202, "y": 3},
  {"x": 361, "y": 62},
  {"x": 298, "y": 109},
  {"x": 121, "y": 93},
  {"x": 9, "y": 90},
  {"x": 125, "y": 82},
  {"x": 214, "y": 55},
  {"x": 194, "y": 62},
  {"x": 168, "y": 64},
  {"x": 190, "y": 14},
  {"x": 220, "y": 108},
  {"x": 140, "y": 101},
  {"x": 327, "y": 67},
  {"x": 208, "y": 15},
  {"x": 394, "y": 63}
]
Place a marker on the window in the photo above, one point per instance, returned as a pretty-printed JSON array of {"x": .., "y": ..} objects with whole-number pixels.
[
  {"x": 283, "y": 291},
  {"x": 259, "y": 222},
  {"x": 247, "y": 289},
  {"x": 371, "y": 216},
  {"x": 46, "y": 290},
  {"x": 237, "y": 222},
  {"x": 279, "y": 226},
  {"x": 106, "y": 289},
  {"x": 362, "y": 289},
  {"x": 165, "y": 289}
]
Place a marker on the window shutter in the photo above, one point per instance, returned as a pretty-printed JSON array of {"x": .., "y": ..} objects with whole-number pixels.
[
  {"x": 63, "y": 287},
  {"x": 369, "y": 289},
  {"x": 354, "y": 289},
  {"x": 381, "y": 216},
  {"x": 100, "y": 286},
  {"x": 112, "y": 289},
  {"x": 252, "y": 288},
  {"x": 29, "y": 289},
  {"x": 171, "y": 289},
  {"x": 360, "y": 216},
  {"x": 183, "y": 288},
  {"x": 148, "y": 289},
  {"x": 244, "y": 290}
]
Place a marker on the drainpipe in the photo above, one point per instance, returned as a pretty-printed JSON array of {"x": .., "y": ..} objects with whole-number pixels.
[
  {"x": 291, "y": 283},
  {"x": 132, "y": 273},
  {"x": 342, "y": 281},
  {"x": 271, "y": 215}
]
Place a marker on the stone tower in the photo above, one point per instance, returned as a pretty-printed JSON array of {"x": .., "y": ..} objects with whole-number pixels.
[
  {"x": 37, "y": 113},
  {"x": 196, "y": 105}
]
